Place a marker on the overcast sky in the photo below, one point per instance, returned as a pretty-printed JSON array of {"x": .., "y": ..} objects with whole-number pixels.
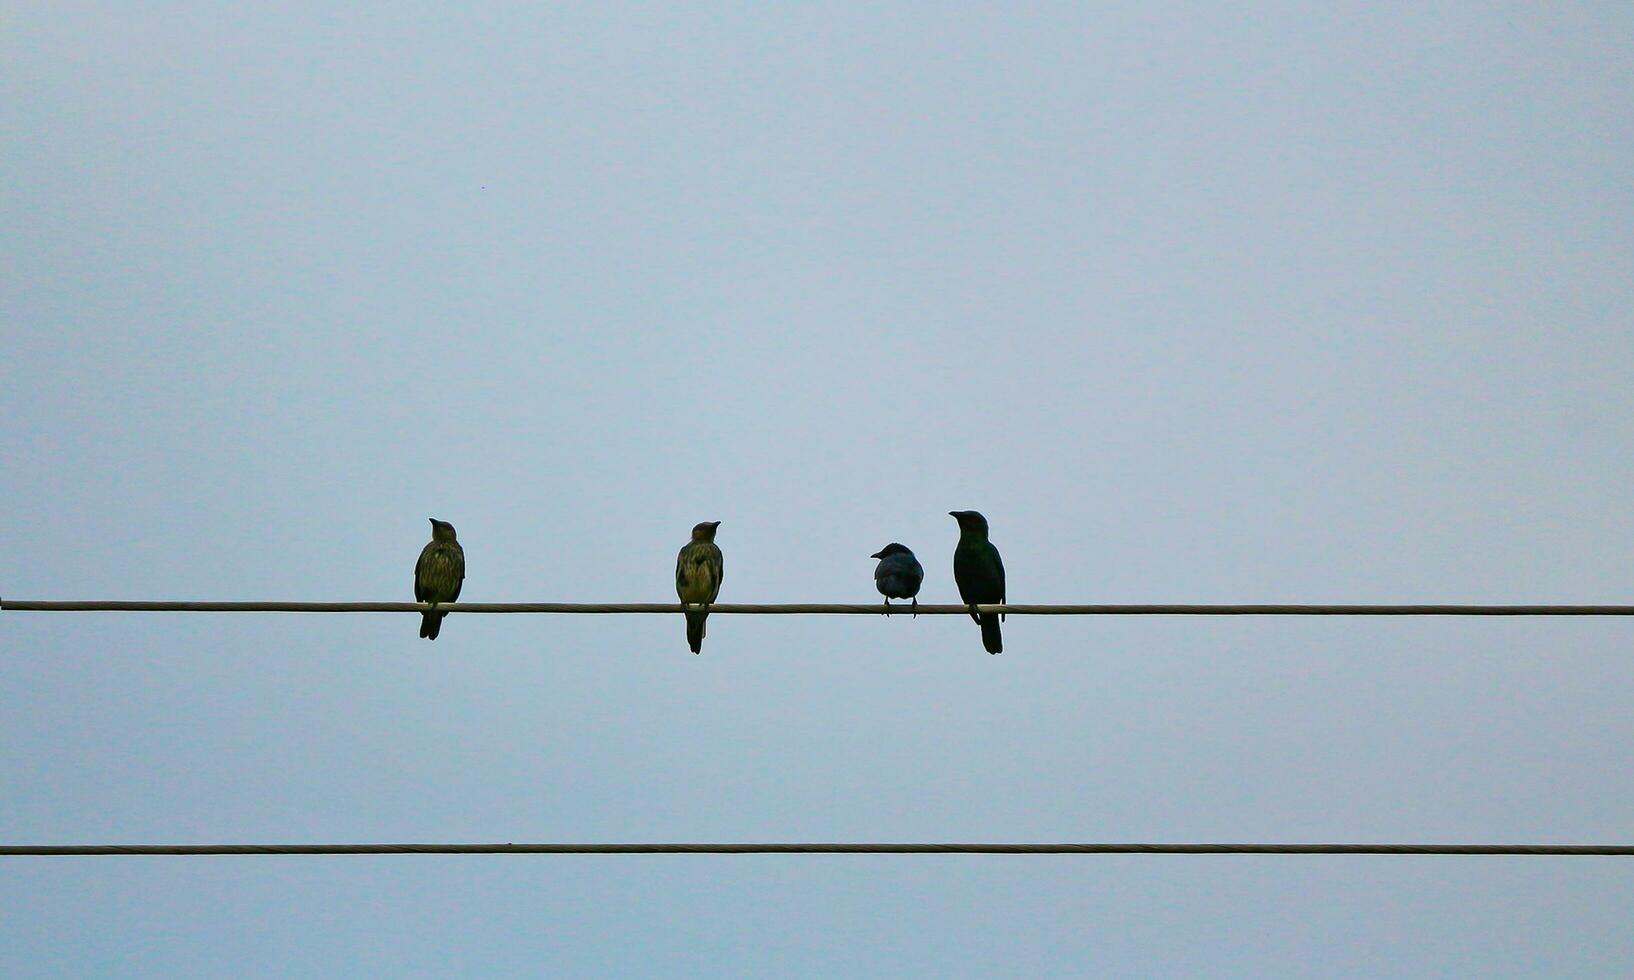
[{"x": 1196, "y": 304}]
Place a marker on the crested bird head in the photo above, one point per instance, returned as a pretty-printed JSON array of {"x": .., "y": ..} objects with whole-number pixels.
[
  {"x": 892, "y": 549},
  {"x": 969, "y": 520},
  {"x": 441, "y": 530},
  {"x": 705, "y": 531}
]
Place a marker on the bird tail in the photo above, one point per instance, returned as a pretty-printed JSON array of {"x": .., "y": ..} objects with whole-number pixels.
[
  {"x": 991, "y": 638},
  {"x": 695, "y": 630},
  {"x": 431, "y": 624}
]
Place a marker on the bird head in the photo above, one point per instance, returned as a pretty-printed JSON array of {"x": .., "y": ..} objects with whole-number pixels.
[
  {"x": 441, "y": 530},
  {"x": 969, "y": 521},
  {"x": 891, "y": 549},
  {"x": 705, "y": 531}
]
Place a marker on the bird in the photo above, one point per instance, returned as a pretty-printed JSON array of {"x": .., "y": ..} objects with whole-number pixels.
[
  {"x": 438, "y": 575},
  {"x": 898, "y": 575},
  {"x": 979, "y": 573},
  {"x": 698, "y": 570}
]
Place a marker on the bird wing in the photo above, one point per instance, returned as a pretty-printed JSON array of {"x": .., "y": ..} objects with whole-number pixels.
[
  {"x": 457, "y": 553},
  {"x": 998, "y": 563},
  {"x": 978, "y": 573},
  {"x": 913, "y": 574},
  {"x": 420, "y": 571},
  {"x": 698, "y": 572},
  {"x": 901, "y": 574},
  {"x": 439, "y": 573},
  {"x": 717, "y": 569}
]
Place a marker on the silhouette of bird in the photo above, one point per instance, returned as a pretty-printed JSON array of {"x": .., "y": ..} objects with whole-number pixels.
[
  {"x": 979, "y": 573},
  {"x": 438, "y": 575},
  {"x": 898, "y": 575},
  {"x": 698, "y": 570}
]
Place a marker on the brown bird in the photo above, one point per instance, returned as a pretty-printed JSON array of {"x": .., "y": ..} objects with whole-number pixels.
[
  {"x": 698, "y": 570},
  {"x": 438, "y": 575}
]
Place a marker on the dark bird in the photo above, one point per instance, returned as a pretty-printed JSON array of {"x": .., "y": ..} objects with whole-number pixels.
[
  {"x": 698, "y": 570},
  {"x": 898, "y": 575},
  {"x": 979, "y": 573},
  {"x": 438, "y": 575}
]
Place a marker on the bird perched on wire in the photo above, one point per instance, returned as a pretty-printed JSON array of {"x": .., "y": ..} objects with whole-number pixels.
[
  {"x": 438, "y": 575},
  {"x": 898, "y": 575},
  {"x": 979, "y": 573},
  {"x": 698, "y": 570}
]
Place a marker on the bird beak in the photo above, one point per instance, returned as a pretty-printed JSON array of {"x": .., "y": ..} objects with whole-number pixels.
[
  {"x": 877, "y": 554},
  {"x": 954, "y": 514},
  {"x": 714, "y": 523}
]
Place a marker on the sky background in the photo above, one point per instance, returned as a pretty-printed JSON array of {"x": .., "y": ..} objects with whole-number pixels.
[{"x": 1275, "y": 303}]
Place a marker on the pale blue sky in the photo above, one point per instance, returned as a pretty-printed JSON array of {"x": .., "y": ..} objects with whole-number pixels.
[{"x": 1276, "y": 303}]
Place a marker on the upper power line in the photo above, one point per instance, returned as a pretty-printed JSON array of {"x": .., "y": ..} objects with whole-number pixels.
[
  {"x": 825, "y": 608},
  {"x": 1517, "y": 850}
]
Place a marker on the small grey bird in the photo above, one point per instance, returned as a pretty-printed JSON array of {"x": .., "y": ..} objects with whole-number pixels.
[
  {"x": 898, "y": 575},
  {"x": 438, "y": 575},
  {"x": 698, "y": 571},
  {"x": 979, "y": 573}
]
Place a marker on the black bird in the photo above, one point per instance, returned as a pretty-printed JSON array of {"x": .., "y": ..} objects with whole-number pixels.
[
  {"x": 698, "y": 570},
  {"x": 979, "y": 573},
  {"x": 438, "y": 575},
  {"x": 898, "y": 575}
]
